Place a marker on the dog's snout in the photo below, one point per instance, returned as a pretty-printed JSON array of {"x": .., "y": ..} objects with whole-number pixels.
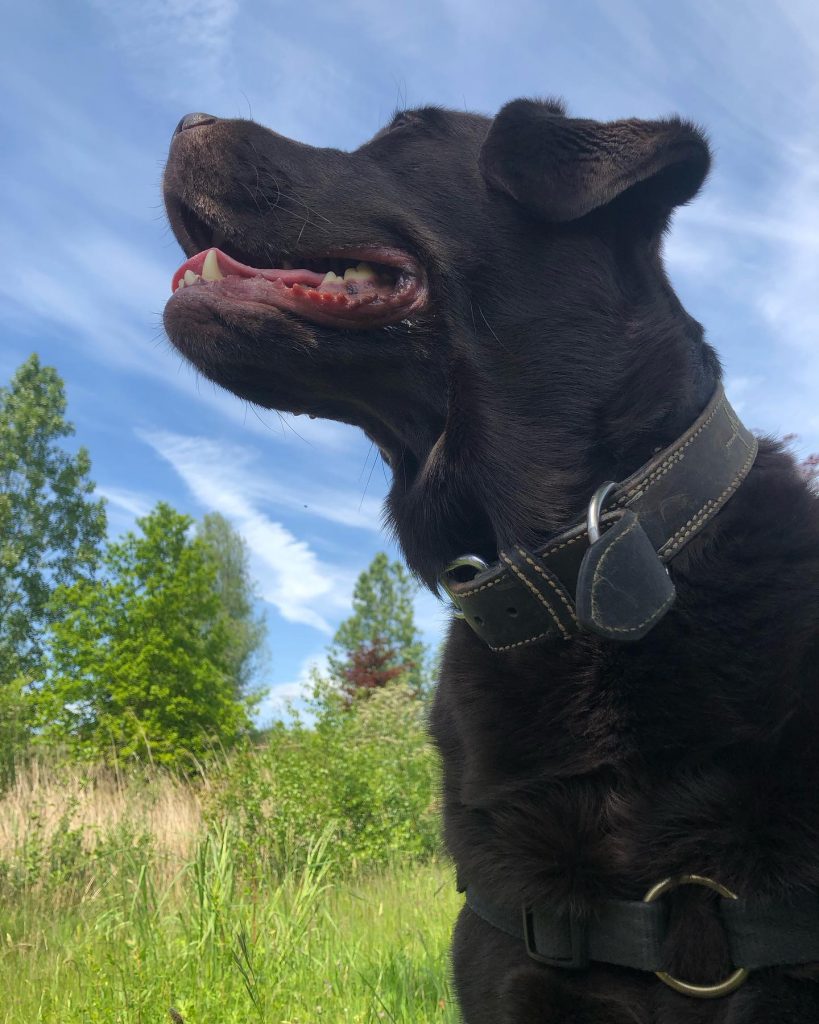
[{"x": 194, "y": 121}]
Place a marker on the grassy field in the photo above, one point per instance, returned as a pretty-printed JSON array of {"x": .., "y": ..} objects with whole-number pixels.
[{"x": 120, "y": 900}]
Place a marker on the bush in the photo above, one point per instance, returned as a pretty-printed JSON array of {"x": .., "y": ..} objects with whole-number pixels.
[{"x": 368, "y": 773}]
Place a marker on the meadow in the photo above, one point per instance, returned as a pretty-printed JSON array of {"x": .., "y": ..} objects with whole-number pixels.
[{"x": 296, "y": 880}]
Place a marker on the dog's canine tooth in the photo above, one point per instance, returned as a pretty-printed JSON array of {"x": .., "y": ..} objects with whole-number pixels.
[
  {"x": 210, "y": 268},
  {"x": 190, "y": 277}
]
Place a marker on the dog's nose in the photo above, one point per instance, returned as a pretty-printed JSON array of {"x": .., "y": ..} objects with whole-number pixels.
[{"x": 194, "y": 121}]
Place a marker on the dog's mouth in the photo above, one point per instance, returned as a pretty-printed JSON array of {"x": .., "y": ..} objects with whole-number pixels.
[
  {"x": 363, "y": 286},
  {"x": 370, "y": 288}
]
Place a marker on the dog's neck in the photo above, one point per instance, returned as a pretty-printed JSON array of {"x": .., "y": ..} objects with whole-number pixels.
[
  {"x": 552, "y": 391},
  {"x": 531, "y": 481}
]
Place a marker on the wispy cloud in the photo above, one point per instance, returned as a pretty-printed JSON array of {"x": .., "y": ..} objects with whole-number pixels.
[
  {"x": 133, "y": 503},
  {"x": 94, "y": 287},
  {"x": 123, "y": 507},
  {"x": 173, "y": 47},
  {"x": 237, "y": 469},
  {"x": 788, "y": 301},
  {"x": 762, "y": 258},
  {"x": 293, "y": 692},
  {"x": 293, "y": 579}
]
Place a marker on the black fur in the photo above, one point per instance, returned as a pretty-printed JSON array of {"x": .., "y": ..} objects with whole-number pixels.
[{"x": 553, "y": 355}]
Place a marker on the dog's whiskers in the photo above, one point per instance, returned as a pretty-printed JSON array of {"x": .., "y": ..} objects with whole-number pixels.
[{"x": 491, "y": 330}]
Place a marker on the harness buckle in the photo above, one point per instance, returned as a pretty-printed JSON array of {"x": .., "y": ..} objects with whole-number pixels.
[
  {"x": 578, "y": 958},
  {"x": 727, "y": 985}
]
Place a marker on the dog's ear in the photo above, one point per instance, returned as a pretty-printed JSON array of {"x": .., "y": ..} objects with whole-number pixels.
[{"x": 563, "y": 168}]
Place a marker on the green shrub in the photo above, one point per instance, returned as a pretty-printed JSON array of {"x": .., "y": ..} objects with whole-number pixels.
[{"x": 367, "y": 773}]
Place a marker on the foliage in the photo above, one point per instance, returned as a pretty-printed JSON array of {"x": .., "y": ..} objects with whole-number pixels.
[
  {"x": 211, "y": 948},
  {"x": 381, "y": 631},
  {"x": 120, "y": 899},
  {"x": 370, "y": 667},
  {"x": 51, "y": 528},
  {"x": 245, "y": 629},
  {"x": 140, "y": 660},
  {"x": 370, "y": 774},
  {"x": 15, "y": 728}
]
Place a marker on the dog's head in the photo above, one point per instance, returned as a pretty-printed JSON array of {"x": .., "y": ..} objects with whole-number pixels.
[{"x": 485, "y": 298}]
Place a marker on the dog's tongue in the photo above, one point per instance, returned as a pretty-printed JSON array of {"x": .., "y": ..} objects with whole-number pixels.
[{"x": 214, "y": 265}]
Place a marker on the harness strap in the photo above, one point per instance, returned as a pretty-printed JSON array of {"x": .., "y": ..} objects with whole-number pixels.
[{"x": 631, "y": 933}]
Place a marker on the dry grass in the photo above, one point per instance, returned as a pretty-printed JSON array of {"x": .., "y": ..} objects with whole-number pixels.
[
  {"x": 97, "y": 801},
  {"x": 124, "y": 895}
]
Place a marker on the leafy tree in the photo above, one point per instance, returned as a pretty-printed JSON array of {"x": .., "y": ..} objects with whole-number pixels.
[
  {"x": 15, "y": 729},
  {"x": 51, "y": 528},
  {"x": 370, "y": 667},
  {"x": 379, "y": 641},
  {"x": 141, "y": 659},
  {"x": 245, "y": 629}
]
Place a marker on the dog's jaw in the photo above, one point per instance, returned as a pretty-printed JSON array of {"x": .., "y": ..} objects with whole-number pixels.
[{"x": 363, "y": 295}]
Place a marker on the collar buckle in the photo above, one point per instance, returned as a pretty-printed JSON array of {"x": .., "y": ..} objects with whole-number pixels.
[
  {"x": 595, "y": 508},
  {"x": 465, "y": 561}
]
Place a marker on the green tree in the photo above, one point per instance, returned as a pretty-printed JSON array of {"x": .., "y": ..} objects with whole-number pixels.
[
  {"x": 245, "y": 629},
  {"x": 141, "y": 658},
  {"x": 51, "y": 528},
  {"x": 15, "y": 728},
  {"x": 380, "y": 635}
]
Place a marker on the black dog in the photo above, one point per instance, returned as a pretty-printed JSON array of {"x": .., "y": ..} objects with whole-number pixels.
[{"x": 486, "y": 300}]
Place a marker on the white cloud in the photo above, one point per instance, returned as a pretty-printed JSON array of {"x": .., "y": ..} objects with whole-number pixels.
[
  {"x": 174, "y": 47},
  {"x": 95, "y": 287},
  {"x": 133, "y": 503},
  {"x": 275, "y": 703},
  {"x": 234, "y": 469},
  {"x": 756, "y": 254},
  {"x": 222, "y": 477},
  {"x": 788, "y": 298}
]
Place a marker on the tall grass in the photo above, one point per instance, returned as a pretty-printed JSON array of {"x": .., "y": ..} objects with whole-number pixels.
[
  {"x": 149, "y": 897},
  {"x": 301, "y": 949}
]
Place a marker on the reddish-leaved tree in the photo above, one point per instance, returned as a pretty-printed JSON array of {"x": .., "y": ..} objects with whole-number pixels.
[{"x": 370, "y": 667}]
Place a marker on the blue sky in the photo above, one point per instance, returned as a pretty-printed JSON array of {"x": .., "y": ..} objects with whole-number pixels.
[{"x": 92, "y": 91}]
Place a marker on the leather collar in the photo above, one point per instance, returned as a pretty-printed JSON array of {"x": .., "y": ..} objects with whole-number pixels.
[{"x": 618, "y": 586}]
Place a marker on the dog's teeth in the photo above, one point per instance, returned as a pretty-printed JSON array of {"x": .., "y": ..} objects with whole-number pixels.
[
  {"x": 331, "y": 278},
  {"x": 210, "y": 268},
  {"x": 190, "y": 277},
  {"x": 363, "y": 272},
  {"x": 181, "y": 284}
]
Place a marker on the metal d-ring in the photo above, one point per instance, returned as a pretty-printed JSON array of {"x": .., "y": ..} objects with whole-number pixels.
[
  {"x": 722, "y": 988},
  {"x": 472, "y": 562},
  {"x": 595, "y": 508}
]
